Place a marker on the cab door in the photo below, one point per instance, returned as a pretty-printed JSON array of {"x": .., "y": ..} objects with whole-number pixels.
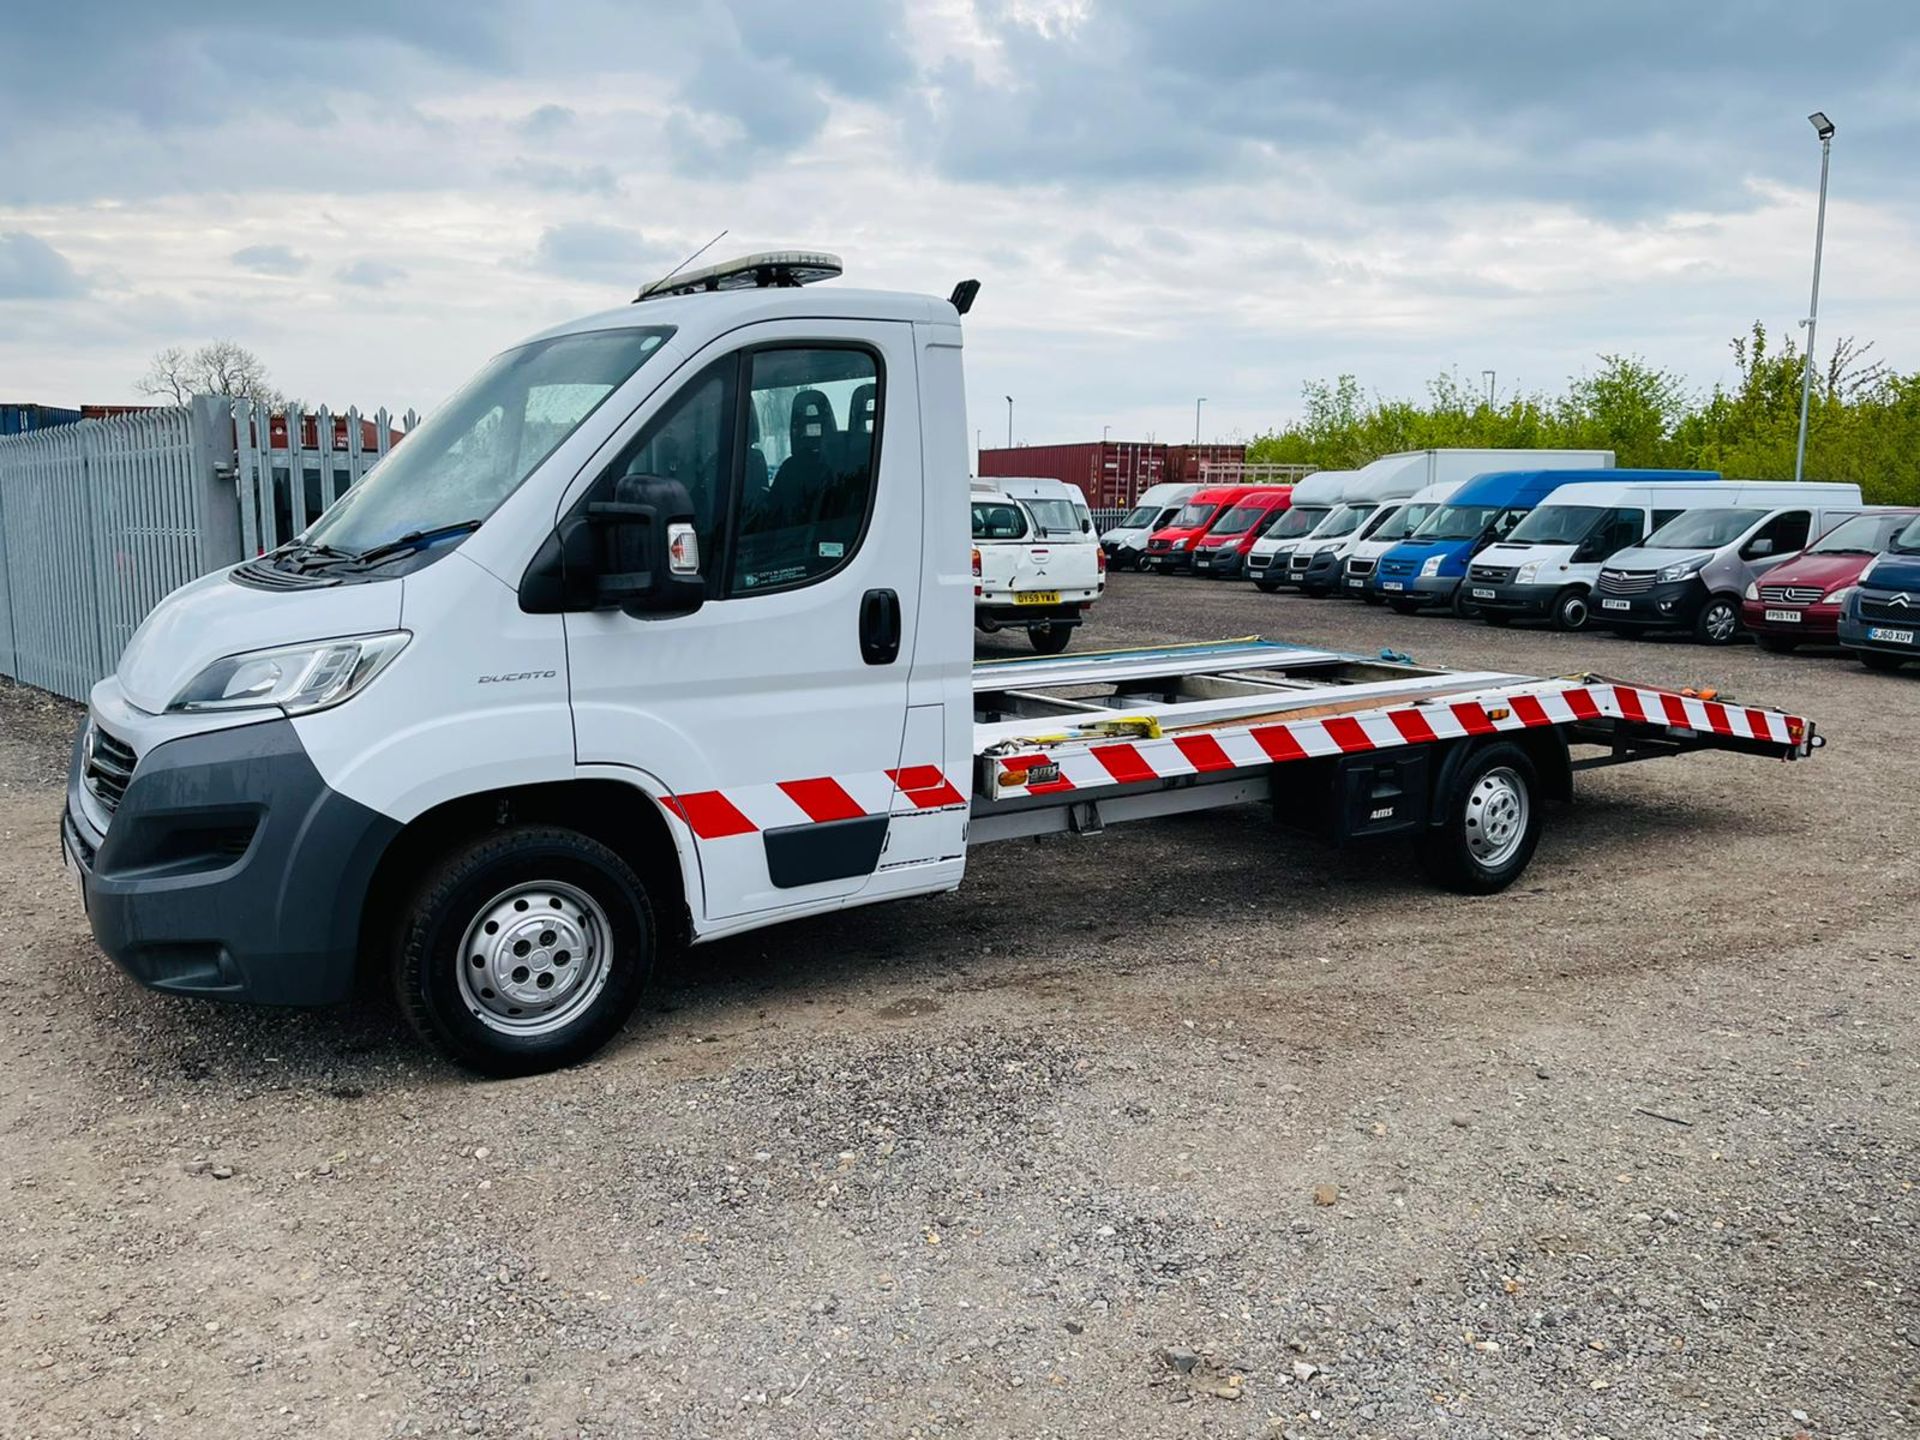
[{"x": 772, "y": 717}]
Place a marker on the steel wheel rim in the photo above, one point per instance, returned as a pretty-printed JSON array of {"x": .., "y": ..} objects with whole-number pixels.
[
  {"x": 1573, "y": 614},
  {"x": 1720, "y": 621},
  {"x": 1497, "y": 810},
  {"x": 534, "y": 958}
]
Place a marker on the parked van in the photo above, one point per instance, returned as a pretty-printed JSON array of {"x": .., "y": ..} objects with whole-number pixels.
[
  {"x": 1126, "y": 543},
  {"x": 1691, "y": 573},
  {"x": 1029, "y": 574},
  {"x": 1171, "y": 547},
  {"x": 1880, "y": 620},
  {"x": 1427, "y": 568},
  {"x": 1394, "y": 523},
  {"x": 1546, "y": 569},
  {"x": 1800, "y": 600},
  {"x": 1058, "y": 509},
  {"x": 1312, "y": 501},
  {"x": 1222, "y": 551},
  {"x": 1367, "y": 500}
]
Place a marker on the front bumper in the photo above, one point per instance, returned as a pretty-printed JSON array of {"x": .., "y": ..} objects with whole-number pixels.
[
  {"x": 1323, "y": 572},
  {"x": 1417, "y": 589},
  {"x": 229, "y": 869},
  {"x": 1818, "y": 623},
  {"x": 1857, "y": 634},
  {"x": 1677, "y": 602},
  {"x": 1507, "y": 598},
  {"x": 1170, "y": 561},
  {"x": 1222, "y": 561}
]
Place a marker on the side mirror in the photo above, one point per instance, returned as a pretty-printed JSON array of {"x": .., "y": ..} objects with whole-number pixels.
[
  {"x": 638, "y": 552},
  {"x": 1760, "y": 545},
  {"x": 1086, "y": 525}
]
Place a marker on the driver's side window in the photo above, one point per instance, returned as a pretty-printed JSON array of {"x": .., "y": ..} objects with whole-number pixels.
[{"x": 1782, "y": 535}]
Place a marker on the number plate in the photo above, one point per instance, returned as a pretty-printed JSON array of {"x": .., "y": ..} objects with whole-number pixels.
[
  {"x": 1889, "y": 637},
  {"x": 1391, "y": 585},
  {"x": 1356, "y": 584},
  {"x": 1483, "y": 594},
  {"x": 1786, "y": 617},
  {"x": 1606, "y": 604},
  {"x": 1201, "y": 562},
  {"x": 1037, "y": 597}
]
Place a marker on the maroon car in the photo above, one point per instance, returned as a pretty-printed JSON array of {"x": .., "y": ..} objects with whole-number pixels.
[{"x": 1798, "y": 601}]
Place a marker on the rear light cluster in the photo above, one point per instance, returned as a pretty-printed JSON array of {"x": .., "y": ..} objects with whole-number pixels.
[{"x": 977, "y": 590}]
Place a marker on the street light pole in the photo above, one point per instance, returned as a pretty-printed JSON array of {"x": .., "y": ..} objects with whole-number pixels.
[
  {"x": 1823, "y": 127},
  {"x": 1487, "y": 375},
  {"x": 1196, "y": 418},
  {"x": 1009, "y": 422}
]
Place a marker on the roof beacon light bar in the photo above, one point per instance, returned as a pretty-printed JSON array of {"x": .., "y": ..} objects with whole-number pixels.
[{"x": 770, "y": 269}]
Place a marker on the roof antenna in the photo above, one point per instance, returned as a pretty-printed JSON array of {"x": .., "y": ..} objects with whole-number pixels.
[{"x": 646, "y": 290}]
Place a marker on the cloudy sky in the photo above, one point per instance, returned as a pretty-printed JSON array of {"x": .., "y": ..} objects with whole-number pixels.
[{"x": 1164, "y": 198}]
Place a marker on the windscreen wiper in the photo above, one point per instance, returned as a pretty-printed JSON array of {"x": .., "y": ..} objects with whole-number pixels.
[{"x": 414, "y": 540}]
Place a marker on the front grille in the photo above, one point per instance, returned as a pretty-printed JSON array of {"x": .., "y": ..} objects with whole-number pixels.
[
  {"x": 1359, "y": 568},
  {"x": 1791, "y": 594},
  {"x": 1159, "y": 544},
  {"x": 1908, "y": 613},
  {"x": 1396, "y": 568},
  {"x": 109, "y": 768},
  {"x": 1492, "y": 574},
  {"x": 1257, "y": 561},
  {"x": 1626, "y": 582},
  {"x": 1300, "y": 562}
]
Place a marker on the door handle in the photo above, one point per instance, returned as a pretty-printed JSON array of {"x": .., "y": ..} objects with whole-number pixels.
[{"x": 879, "y": 627}]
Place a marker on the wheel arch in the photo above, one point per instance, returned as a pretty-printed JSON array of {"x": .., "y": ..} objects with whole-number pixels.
[
  {"x": 622, "y": 815},
  {"x": 1546, "y": 746}
]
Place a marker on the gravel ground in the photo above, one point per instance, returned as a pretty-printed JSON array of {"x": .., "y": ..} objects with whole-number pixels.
[{"x": 1193, "y": 1129}]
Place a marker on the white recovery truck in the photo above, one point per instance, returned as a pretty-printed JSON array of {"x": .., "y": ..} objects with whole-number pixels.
[{"x": 658, "y": 631}]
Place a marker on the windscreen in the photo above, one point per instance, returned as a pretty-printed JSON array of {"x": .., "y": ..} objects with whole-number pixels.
[
  {"x": 1557, "y": 525},
  {"x": 1192, "y": 516},
  {"x": 1862, "y": 535},
  {"x": 474, "y": 451},
  {"x": 1239, "y": 520},
  {"x": 1399, "y": 526},
  {"x": 1342, "y": 520},
  {"x": 1458, "y": 522},
  {"x": 1054, "y": 517},
  {"x": 1297, "y": 522},
  {"x": 1907, "y": 542},
  {"x": 1140, "y": 517},
  {"x": 1697, "y": 529},
  {"x": 998, "y": 520}
]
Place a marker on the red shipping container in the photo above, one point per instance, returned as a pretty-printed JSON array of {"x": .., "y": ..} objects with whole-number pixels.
[{"x": 1110, "y": 473}]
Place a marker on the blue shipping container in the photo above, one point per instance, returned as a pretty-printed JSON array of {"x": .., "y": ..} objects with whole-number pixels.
[{"x": 19, "y": 419}]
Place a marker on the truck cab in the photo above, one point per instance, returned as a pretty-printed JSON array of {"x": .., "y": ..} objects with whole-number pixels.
[
  {"x": 1222, "y": 551},
  {"x": 1036, "y": 564}
]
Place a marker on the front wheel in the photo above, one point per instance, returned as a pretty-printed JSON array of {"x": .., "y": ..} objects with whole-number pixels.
[
  {"x": 1879, "y": 660},
  {"x": 1142, "y": 564},
  {"x": 1370, "y": 597},
  {"x": 1718, "y": 622},
  {"x": 1267, "y": 587},
  {"x": 525, "y": 950},
  {"x": 1050, "y": 639},
  {"x": 1462, "y": 607},
  {"x": 1776, "y": 644},
  {"x": 1571, "y": 610},
  {"x": 1405, "y": 607},
  {"x": 1490, "y": 823}
]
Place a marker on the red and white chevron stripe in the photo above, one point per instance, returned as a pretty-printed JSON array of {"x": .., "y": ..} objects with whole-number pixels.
[{"x": 749, "y": 809}]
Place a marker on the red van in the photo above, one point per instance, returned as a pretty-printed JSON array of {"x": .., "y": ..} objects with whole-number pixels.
[
  {"x": 1172, "y": 548},
  {"x": 1799, "y": 601},
  {"x": 1222, "y": 551}
]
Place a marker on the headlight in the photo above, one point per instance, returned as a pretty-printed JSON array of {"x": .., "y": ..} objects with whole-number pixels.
[
  {"x": 1431, "y": 568},
  {"x": 1753, "y": 590},
  {"x": 293, "y": 678},
  {"x": 1838, "y": 596},
  {"x": 1527, "y": 573},
  {"x": 1685, "y": 570}
]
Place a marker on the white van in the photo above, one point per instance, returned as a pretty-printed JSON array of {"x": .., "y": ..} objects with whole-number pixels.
[
  {"x": 1366, "y": 502},
  {"x": 1547, "y": 567},
  {"x": 1691, "y": 573},
  {"x": 1126, "y": 543},
  {"x": 1314, "y": 498},
  {"x": 1035, "y": 567},
  {"x": 1392, "y": 523},
  {"x": 1059, "y": 509}
]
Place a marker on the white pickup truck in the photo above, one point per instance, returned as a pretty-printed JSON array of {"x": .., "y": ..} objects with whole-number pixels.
[
  {"x": 1037, "y": 565},
  {"x": 658, "y": 631}
]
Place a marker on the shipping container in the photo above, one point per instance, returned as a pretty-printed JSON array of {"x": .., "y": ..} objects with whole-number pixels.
[
  {"x": 107, "y": 412},
  {"x": 1111, "y": 473},
  {"x": 1186, "y": 463},
  {"x": 19, "y": 419}
]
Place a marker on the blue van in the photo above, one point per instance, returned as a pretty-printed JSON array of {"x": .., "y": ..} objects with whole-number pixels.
[
  {"x": 1427, "y": 567},
  {"x": 1880, "y": 621}
]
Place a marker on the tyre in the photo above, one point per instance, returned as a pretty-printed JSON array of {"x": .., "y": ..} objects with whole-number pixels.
[
  {"x": 1268, "y": 587},
  {"x": 1050, "y": 639},
  {"x": 1315, "y": 592},
  {"x": 1405, "y": 607},
  {"x": 1776, "y": 644},
  {"x": 1370, "y": 597},
  {"x": 1718, "y": 622},
  {"x": 1878, "y": 660},
  {"x": 1489, "y": 825},
  {"x": 1571, "y": 610},
  {"x": 1141, "y": 564},
  {"x": 1499, "y": 619},
  {"x": 524, "y": 950},
  {"x": 1461, "y": 606}
]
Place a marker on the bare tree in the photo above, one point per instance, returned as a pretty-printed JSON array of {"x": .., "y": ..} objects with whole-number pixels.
[{"x": 220, "y": 367}]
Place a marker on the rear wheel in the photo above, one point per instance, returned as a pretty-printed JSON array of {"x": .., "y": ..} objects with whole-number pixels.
[
  {"x": 1718, "y": 622},
  {"x": 1571, "y": 610},
  {"x": 525, "y": 950},
  {"x": 1877, "y": 660},
  {"x": 1775, "y": 644},
  {"x": 1050, "y": 639},
  {"x": 1490, "y": 823}
]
